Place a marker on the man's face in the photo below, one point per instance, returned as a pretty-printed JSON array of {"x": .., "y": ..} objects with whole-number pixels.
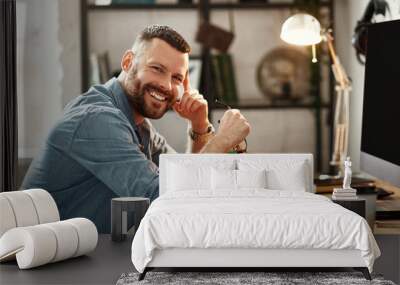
[{"x": 153, "y": 79}]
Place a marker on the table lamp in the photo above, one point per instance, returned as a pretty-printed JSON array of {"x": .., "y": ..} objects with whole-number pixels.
[{"x": 304, "y": 29}]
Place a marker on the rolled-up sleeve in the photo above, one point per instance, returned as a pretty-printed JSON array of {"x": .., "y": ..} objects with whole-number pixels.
[
  {"x": 158, "y": 144},
  {"x": 106, "y": 145}
]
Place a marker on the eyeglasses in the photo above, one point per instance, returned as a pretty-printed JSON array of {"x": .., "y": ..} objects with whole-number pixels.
[{"x": 241, "y": 147}]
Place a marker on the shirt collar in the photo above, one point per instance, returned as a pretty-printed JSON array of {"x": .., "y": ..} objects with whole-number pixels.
[{"x": 120, "y": 99}]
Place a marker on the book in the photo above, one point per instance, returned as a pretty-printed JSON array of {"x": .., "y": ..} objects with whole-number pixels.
[
  {"x": 127, "y": 2},
  {"x": 167, "y": 2},
  {"x": 334, "y": 197},
  {"x": 102, "y": 2},
  {"x": 94, "y": 69},
  {"x": 217, "y": 79},
  {"x": 388, "y": 209},
  {"x": 344, "y": 191},
  {"x": 388, "y": 224},
  {"x": 99, "y": 68},
  {"x": 104, "y": 67},
  {"x": 225, "y": 65},
  {"x": 344, "y": 194},
  {"x": 328, "y": 185},
  {"x": 339, "y": 181}
]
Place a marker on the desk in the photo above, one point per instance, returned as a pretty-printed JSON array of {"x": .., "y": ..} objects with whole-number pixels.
[
  {"x": 102, "y": 266},
  {"x": 387, "y": 235},
  {"x": 382, "y": 227},
  {"x": 388, "y": 227}
]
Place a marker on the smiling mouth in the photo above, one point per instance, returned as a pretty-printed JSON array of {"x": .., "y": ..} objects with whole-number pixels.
[{"x": 157, "y": 95}]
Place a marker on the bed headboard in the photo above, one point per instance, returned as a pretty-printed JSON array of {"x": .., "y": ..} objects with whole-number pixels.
[{"x": 213, "y": 158}]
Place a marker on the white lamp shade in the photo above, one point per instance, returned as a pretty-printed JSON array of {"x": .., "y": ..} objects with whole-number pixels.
[{"x": 301, "y": 29}]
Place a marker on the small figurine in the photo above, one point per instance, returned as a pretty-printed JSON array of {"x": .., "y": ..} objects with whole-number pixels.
[
  {"x": 347, "y": 174},
  {"x": 345, "y": 193}
]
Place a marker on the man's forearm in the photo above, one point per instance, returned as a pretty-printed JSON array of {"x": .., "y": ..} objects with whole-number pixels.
[
  {"x": 199, "y": 137},
  {"x": 209, "y": 142},
  {"x": 216, "y": 144},
  {"x": 197, "y": 146}
]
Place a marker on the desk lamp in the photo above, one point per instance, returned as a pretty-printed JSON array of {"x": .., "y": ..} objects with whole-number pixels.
[{"x": 304, "y": 29}]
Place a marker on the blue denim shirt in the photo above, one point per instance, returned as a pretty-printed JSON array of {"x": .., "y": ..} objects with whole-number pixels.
[{"x": 95, "y": 153}]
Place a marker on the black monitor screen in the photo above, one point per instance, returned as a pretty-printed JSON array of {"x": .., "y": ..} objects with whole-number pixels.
[{"x": 381, "y": 110}]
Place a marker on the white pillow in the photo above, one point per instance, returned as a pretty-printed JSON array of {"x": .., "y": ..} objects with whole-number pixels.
[
  {"x": 183, "y": 177},
  {"x": 289, "y": 179},
  {"x": 251, "y": 178},
  {"x": 292, "y": 175},
  {"x": 188, "y": 174},
  {"x": 223, "y": 179}
]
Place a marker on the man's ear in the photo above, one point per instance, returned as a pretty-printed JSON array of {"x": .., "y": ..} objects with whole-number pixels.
[{"x": 127, "y": 60}]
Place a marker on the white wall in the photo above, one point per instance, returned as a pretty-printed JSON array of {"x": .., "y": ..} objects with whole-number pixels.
[
  {"x": 347, "y": 13},
  {"x": 48, "y": 67},
  {"x": 70, "y": 57},
  {"x": 40, "y": 95}
]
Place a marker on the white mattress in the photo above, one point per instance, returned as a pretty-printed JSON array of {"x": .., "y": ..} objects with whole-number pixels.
[{"x": 252, "y": 218}]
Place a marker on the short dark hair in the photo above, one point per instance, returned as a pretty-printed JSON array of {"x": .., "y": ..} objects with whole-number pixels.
[{"x": 165, "y": 33}]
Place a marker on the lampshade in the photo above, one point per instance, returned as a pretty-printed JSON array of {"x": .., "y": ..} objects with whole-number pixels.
[{"x": 301, "y": 29}]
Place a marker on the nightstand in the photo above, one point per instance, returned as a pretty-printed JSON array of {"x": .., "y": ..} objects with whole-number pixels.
[{"x": 356, "y": 205}]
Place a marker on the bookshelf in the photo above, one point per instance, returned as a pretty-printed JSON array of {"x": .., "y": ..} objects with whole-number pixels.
[{"x": 205, "y": 9}]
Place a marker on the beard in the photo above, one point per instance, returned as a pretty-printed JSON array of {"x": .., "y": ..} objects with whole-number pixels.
[{"x": 136, "y": 95}]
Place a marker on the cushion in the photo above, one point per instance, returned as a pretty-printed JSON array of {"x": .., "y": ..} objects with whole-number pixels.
[
  {"x": 223, "y": 179},
  {"x": 183, "y": 177},
  {"x": 251, "y": 178},
  {"x": 45, "y": 205},
  {"x": 291, "y": 175},
  {"x": 26, "y": 208},
  {"x": 189, "y": 175},
  {"x": 7, "y": 218},
  {"x": 66, "y": 237},
  {"x": 40, "y": 244},
  {"x": 237, "y": 179},
  {"x": 23, "y": 208}
]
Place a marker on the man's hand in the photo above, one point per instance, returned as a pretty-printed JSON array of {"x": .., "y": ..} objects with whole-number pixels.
[
  {"x": 193, "y": 107},
  {"x": 233, "y": 129}
]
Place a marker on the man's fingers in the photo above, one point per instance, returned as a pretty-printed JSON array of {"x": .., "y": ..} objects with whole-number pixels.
[
  {"x": 181, "y": 91},
  {"x": 189, "y": 103},
  {"x": 184, "y": 100},
  {"x": 188, "y": 99},
  {"x": 194, "y": 92},
  {"x": 175, "y": 107},
  {"x": 197, "y": 104},
  {"x": 186, "y": 82}
]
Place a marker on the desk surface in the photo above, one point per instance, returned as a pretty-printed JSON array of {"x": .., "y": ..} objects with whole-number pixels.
[
  {"x": 390, "y": 203},
  {"x": 102, "y": 266},
  {"x": 387, "y": 186}
]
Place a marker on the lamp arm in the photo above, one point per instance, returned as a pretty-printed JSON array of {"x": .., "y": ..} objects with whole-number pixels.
[
  {"x": 341, "y": 116},
  {"x": 339, "y": 72}
]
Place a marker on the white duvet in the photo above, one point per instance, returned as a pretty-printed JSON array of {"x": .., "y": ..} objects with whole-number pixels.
[{"x": 250, "y": 219}]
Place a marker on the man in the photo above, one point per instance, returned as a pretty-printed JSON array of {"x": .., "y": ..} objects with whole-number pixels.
[{"x": 104, "y": 147}]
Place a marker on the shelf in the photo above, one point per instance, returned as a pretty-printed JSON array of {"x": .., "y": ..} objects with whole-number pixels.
[
  {"x": 262, "y": 104},
  {"x": 251, "y": 6},
  {"x": 143, "y": 6},
  {"x": 183, "y": 6}
]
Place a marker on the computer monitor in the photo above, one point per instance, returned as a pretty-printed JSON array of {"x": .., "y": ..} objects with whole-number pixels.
[{"x": 380, "y": 139}]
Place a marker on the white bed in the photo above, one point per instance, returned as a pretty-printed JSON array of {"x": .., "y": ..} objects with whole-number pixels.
[{"x": 201, "y": 220}]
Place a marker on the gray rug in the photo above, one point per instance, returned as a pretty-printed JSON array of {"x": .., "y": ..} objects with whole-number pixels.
[{"x": 243, "y": 278}]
